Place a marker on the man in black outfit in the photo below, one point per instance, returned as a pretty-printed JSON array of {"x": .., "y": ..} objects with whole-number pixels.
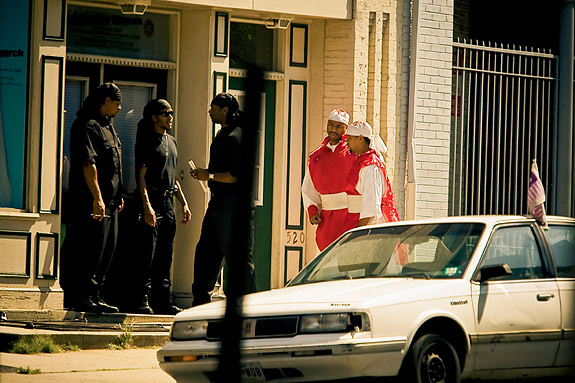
[
  {"x": 156, "y": 160},
  {"x": 95, "y": 189},
  {"x": 215, "y": 244}
]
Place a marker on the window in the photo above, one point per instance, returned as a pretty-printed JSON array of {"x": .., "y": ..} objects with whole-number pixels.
[
  {"x": 562, "y": 240},
  {"x": 76, "y": 92},
  {"x": 427, "y": 251},
  {"x": 516, "y": 246},
  {"x": 13, "y": 101},
  {"x": 134, "y": 97},
  {"x": 251, "y": 44},
  {"x": 97, "y": 31}
]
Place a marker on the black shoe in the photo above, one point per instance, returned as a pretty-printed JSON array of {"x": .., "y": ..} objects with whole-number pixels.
[
  {"x": 168, "y": 309},
  {"x": 103, "y": 307},
  {"x": 86, "y": 306},
  {"x": 144, "y": 308}
]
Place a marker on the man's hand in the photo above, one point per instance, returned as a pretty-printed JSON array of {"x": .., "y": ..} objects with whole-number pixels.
[
  {"x": 315, "y": 219},
  {"x": 149, "y": 215},
  {"x": 187, "y": 214},
  {"x": 99, "y": 209},
  {"x": 121, "y": 207},
  {"x": 200, "y": 174}
]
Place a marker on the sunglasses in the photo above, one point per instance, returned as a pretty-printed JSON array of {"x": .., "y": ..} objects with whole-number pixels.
[{"x": 165, "y": 113}]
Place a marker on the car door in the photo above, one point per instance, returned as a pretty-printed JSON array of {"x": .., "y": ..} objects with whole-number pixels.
[
  {"x": 517, "y": 317},
  {"x": 561, "y": 238}
]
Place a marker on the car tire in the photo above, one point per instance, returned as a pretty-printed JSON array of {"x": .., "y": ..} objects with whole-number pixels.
[{"x": 431, "y": 359}]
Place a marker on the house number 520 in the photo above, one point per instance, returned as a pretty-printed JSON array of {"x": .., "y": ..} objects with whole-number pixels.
[{"x": 295, "y": 237}]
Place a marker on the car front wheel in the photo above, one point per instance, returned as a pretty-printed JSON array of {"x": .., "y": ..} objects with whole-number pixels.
[{"x": 432, "y": 359}]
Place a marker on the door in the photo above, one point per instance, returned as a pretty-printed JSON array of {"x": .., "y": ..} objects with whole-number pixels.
[
  {"x": 81, "y": 77},
  {"x": 517, "y": 317},
  {"x": 562, "y": 240},
  {"x": 263, "y": 178}
]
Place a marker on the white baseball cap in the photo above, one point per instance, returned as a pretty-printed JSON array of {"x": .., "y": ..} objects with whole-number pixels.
[
  {"x": 339, "y": 116},
  {"x": 364, "y": 129}
]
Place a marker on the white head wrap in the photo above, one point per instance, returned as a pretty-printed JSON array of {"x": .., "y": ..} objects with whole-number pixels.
[
  {"x": 362, "y": 128},
  {"x": 339, "y": 116}
]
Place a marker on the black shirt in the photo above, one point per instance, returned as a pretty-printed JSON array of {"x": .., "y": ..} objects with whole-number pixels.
[
  {"x": 95, "y": 141},
  {"x": 159, "y": 154},
  {"x": 225, "y": 156}
]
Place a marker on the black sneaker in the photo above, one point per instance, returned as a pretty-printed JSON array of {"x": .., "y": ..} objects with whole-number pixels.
[
  {"x": 87, "y": 306},
  {"x": 167, "y": 310},
  {"x": 144, "y": 308},
  {"x": 103, "y": 307}
]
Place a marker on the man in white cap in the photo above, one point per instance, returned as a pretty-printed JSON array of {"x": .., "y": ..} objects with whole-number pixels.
[
  {"x": 370, "y": 198},
  {"x": 323, "y": 188}
]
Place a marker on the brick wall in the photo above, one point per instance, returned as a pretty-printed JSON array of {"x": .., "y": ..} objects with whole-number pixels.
[
  {"x": 361, "y": 74},
  {"x": 338, "y": 66},
  {"x": 367, "y": 61},
  {"x": 432, "y": 115}
]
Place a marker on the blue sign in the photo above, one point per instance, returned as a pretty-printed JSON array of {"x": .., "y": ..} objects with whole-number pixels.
[{"x": 14, "y": 40}]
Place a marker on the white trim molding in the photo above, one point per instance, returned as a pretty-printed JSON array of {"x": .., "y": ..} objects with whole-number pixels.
[{"x": 120, "y": 61}]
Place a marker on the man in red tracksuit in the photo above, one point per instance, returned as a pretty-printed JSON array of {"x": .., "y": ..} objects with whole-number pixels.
[
  {"x": 323, "y": 188},
  {"x": 370, "y": 198}
]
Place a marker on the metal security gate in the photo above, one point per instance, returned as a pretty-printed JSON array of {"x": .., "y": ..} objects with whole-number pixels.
[{"x": 503, "y": 114}]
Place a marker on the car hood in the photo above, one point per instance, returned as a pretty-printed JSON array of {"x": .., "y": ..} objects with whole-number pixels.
[{"x": 337, "y": 295}]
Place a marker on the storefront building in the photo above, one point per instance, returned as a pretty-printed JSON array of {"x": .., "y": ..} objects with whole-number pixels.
[{"x": 316, "y": 56}]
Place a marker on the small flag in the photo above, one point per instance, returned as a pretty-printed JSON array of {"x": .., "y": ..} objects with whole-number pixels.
[{"x": 536, "y": 196}]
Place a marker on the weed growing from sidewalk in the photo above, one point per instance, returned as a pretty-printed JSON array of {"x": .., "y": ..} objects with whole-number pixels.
[
  {"x": 35, "y": 344},
  {"x": 124, "y": 341},
  {"x": 71, "y": 347},
  {"x": 28, "y": 370}
]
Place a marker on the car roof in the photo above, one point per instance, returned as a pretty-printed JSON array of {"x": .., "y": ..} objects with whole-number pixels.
[{"x": 488, "y": 220}]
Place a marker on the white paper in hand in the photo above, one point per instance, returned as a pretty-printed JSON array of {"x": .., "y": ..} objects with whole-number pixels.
[{"x": 204, "y": 184}]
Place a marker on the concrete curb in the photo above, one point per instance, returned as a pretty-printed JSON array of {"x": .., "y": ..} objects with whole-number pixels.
[{"x": 85, "y": 330}]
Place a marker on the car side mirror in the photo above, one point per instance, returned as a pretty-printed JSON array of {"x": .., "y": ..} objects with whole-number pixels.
[{"x": 493, "y": 271}]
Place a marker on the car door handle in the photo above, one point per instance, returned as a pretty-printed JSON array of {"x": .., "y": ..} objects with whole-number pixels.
[{"x": 544, "y": 297}]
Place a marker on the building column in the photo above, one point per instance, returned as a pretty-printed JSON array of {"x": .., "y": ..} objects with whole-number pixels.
[
  {"x": 429, "y": 118},
  {"x": 563, "y": 167}
]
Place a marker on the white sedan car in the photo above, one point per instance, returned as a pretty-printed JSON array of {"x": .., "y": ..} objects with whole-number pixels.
[{"x": 429, "y": 300}]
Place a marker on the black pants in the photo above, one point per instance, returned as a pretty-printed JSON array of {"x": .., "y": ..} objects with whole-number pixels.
[
  {"x": 144, "y": 265},
  {"x": 157, "y": 253},
  {"x": 86, "y": 255},
  {"x": 216, "y": 244}
]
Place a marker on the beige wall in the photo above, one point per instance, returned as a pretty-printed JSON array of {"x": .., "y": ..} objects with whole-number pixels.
[
  {"x": 31, "y": 236},
  {"x": 193, "y": 135},
  {"x": 315, "y": 8}
]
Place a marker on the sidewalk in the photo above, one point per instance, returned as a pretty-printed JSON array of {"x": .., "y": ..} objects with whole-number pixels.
[
  {"x": 87, "y": 366},
  {"x": 94, "y": 363}
]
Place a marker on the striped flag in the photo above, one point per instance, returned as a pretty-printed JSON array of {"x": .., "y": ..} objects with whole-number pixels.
[{"x": 536, "y": 196}]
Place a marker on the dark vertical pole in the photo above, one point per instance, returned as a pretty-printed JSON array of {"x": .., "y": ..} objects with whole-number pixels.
[
  {"x": 238, "y": 277},
  {"x": 564, "y": 156}
]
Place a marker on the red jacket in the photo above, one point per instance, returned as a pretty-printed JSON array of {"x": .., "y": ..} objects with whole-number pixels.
[
  {"x": 388, "y": 207},
  {"x": 328, "y": 171}
]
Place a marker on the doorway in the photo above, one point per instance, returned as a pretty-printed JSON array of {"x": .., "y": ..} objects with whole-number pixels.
[{"x": 263, "y": 178}]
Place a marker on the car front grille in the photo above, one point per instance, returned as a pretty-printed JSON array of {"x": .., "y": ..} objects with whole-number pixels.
[{"x": 258, "y": 327}]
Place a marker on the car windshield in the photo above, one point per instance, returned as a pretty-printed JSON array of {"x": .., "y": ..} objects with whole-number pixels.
[{"x": 427, "y": 251}]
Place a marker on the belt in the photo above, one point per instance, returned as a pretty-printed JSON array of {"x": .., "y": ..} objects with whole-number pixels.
[
  {"x": 354, "y": 203},
  {"x": 170, "y": 192},
  {"x": 339, "y": 201},
  {"x": 335, "y": 201},
  {"x": 165, "y": 193}
]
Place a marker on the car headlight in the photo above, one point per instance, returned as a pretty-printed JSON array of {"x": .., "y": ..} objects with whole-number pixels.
[
  {"x": 324, "y": 323},
  {"x": 189, "y": 330}
]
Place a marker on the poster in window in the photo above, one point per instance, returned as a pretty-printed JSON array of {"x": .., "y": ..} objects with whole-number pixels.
[{"x": 13, "y": 100}]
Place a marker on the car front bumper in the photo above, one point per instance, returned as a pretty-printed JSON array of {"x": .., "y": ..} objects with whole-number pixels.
[{"x": 297, "y": 359}]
